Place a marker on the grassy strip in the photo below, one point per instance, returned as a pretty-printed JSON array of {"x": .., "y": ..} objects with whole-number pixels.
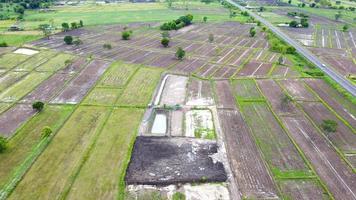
[
  {"x": 340, "y": 89},
  {"x": 301, "y": 153}
]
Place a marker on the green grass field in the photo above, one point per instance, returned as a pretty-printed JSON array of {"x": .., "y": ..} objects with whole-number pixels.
[
  {"x": 104, "y": 169},
  {"x": 23, "y": 143},
  {"x": 246, "y": 89},
  {"x": 102, "y": 96},
  {"x": 139, "y": 90},
  {"x": 51, "y": 173},
  {"x": 11, "y": 60},
  {"x": 118, "y": 75}
]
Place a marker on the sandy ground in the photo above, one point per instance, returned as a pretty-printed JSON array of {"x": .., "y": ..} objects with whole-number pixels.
[
  {"x": 174, "y": 90},
  {"x": 24, "y": 51},
  {"x": 198, "y": 120}
]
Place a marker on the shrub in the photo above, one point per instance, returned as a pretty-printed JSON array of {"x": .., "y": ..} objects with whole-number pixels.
[
  {"x": 178, "y": 196},
  {"x": 65, "y": 27},
  {"x": 252, "y": 32},
  {"x": 3, "y": 144},
  {"x": 68, "y": 39},
  {"x": 107, "y": 46},
  {"x": 205, "y": 18},
  {"x": 293, "y": 24},
  {"x": 81, "y": 24},
  {"x": 345, "y": 28},
  {"x": 73, "y": 25},
  {"x": 165, "y": 42},
  {"x": 38, "y": 105},
  {"x": 125, "y": 35},
  {"x": 178, "y": 23},
  {"x": 180, "y": 53},
  {"x": 77, "y": 42},
  {"x": 329, "y": 125},
  {"x": 211, "y": 37},
  {"x": 165, "y": 34},
  {"x": 46, "y": 132},
  {"x": 3, "y": 44}
]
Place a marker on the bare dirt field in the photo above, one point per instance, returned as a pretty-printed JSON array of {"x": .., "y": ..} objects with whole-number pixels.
[
  {"x": 174, "y": 90},
  {"x": 302, "y": 189},
  {"x": 224, "y": 96},
  {"x": 199, "y": 92},
  {"x": 13, "y": 118}
]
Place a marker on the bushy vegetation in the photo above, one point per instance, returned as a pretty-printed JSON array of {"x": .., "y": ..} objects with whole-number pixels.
[
  {"x": 329, "y": 125},
  {"x": 277, "y": 45},
  {"x": 165, "y": 42},
  {"x": 180, "y": 53},
  {"x": 38, "y": 105},
  {"x": 179, "y": 23},
  {"x": 3, "y": 144},
  {"x": 68, "y": 39},
  {"x": 178, "y": 196},
  {"x": 126, "y": 34},
  {"x": 46, "y": 132}
]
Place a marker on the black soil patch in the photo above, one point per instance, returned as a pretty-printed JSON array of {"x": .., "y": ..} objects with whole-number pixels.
[{"x": 165, "y": 161}]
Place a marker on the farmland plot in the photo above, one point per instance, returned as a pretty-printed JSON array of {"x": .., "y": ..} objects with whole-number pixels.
[
  {"x": 56, "y": 63},
  {"x": 302, "y": 189},
  {"x": 339, "y": 179},
  {"x": 246, "y": 89},
  {"x": 275, "y": 144},
  {"x": 117, "y": 75},
  {"x": 10, "y": 78},
  {"x": 224, "y": 97},
  {"x": 139, "y": 90},
  {"x": 103, "y": 170},
  {"x": 335, "y": 100},
  {"x": 10, "y": 60},
  {"x": 246, "y": 164},
  {"x": 343, "y": 138},
  {"x": 21, "y": 88},
  {"x": 297, "y": 90},
  {"x": 78, "y": 87},
  {"x": 35, "y": 61},
  {"x": 50, "y": 174},
  {"x": 22, "y": 144},
  {"x": 102, "y": 96}
]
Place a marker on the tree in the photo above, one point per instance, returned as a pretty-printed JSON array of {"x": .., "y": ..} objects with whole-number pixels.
[
  {"x": 38, "y": 105},
  {"x": 211, "y": 38},
  {"x": 3, "y": 44},
  {"x": 180, "y": 53},
  {"x": 290, "y": 1},
  {"x": 77, "y": 41},
  {"x": 68, "y": 39},
  {"x": 329, "y": 125},
  {"x": 303, "y": 5},
  {"x": 165, "y": 42},
  {"x": 280, "y": 60},
  {"x": 205, "y": 18},
  {"x": 46, "y": 29},
  {"x": 258, "y": 23},
  {"x": 293, "y": 24},
  {"x": 345, "y": 28},
  {"x": 252, "y": 32},
  {"x": 65, "y": 26},
  {"x": 261, "y": 9},
  {"x": 46, "y": 132},
  {"x": 337, "y": 16},
  {"x": 125, "y": 35},
  {"x": 304, "y": 22},
  {"x": 73, "y": 25},
  {"x": 19, "y": 9},
  {"x": 81, "y": 24},
  {"x": 3, "y": 144},
  {"x": 207, "y": 1}
]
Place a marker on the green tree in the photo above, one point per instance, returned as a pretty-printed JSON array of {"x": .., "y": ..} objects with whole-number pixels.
[
  {"x": 65, "y": 26},
  {"x": 293, "y": 24},
  {"x": 68, "y": 39},
  {"x": 73, "y": 25},
  {"x": 165, "y": 42},
  {"x": 46, "y": 132},
  {"x": 38, "y": 105},
  {"x": 81, "y": 24},
  {"x": 345, "y": 28},
  {"x": 165, "y": 34},
  {"x": 329, "y": 125},
  {"x": 125, "y": 35},
  {"x": 338, "y": 16},
  {"x": 205, "y": 19},
  {"x": 180, "y": 53},
  {"x": 3, "y": 44},
  {"x": 252, "y": 32},
  {"x": 3, "y": 144}
]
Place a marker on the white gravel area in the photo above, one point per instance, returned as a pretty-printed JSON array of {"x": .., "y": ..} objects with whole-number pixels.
[{"x": 26, "y": 51}]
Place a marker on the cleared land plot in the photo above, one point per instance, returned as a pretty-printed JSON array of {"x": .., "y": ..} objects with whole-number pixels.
[
  {"x": 284, "y": 71},
  {"x": 224, "y": 97},
  {"x": 22, "y": 144},
  {"x": 102, "y": 96},
  {"x": 277, "y": 148},
  {"x": 104, "y": 169},
  {"x": 165, "y": 161},
  {"x": 297, "y": 90},
  {"x": 246, "y": 89},
  {"x": 335, "y": 100},
  {"x": 249, "y": 170},
  {"x": 78, "y": 87},
  {"x": 199, "y": 124},
  {"x": 343, "y": 138},
  {"x": 140, "y": 88},
  {"x": 338, "y": 177},
  {"x": 56, "y": 63},
  {"x": 117, "y": 75},
  {"x": 277, "y": 98},
  {"x": 302, "y": 189},
  {"x": 199, "y": 93},
  {"x": 50, "y": 174},
  {"x": 13, "y": 118},
  {"x": 10, "y": 60},
  {"x": 174, "y": 90},
  {"x": 21, "y": 88}
]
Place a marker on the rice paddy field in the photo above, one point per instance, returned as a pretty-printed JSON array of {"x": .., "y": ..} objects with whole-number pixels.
[{"x": 265, "y": 116}]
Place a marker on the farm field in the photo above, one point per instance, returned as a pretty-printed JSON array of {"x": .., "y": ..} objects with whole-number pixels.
[{"x": 233, "y": 119}]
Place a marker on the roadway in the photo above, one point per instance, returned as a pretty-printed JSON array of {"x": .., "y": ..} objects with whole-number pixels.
[{"x": 341, "y": 80}]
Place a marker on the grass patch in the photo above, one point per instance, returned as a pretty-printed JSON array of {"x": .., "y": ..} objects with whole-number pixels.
[
  {"x": 139, "y": 90},
  {"x": 117, "y": 75},
  {"x": 53, "y": 168},
  {"x": 18, "y": 39},
  {"x": 10, "y": 60},
  {"x": 56, "y": 63},
  {"x": 246, "y": 89},
  {"x": 24, "y": 143},
  {"x": 102, "y": 96},
  {"x": 106, "y": 162},
  {"x": 35, "y": 61}
]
